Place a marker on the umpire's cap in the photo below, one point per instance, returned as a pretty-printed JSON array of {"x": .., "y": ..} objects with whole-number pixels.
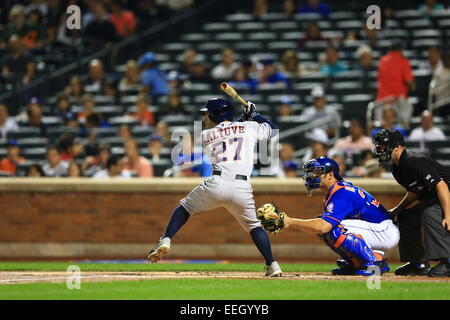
[{"x": 219, "y": 110}]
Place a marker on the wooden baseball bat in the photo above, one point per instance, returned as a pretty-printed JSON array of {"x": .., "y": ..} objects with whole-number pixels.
[{"x": 229, "y": 90}]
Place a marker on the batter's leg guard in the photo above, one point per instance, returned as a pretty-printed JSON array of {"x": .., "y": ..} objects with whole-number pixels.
[{"x": 351, "y": 247}]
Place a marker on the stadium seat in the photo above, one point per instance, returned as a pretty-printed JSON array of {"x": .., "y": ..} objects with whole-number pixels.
[
  {"x": 118, "y": 121},
  {"x": 36, "y": 154},
  {"x": 283, "y": 25},
  {"x": 24, "y": 132}
]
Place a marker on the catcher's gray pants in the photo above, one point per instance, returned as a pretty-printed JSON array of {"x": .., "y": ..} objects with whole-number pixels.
[
  {"x": 434, "y": 244},
  {"x": 234, "y": 195}
]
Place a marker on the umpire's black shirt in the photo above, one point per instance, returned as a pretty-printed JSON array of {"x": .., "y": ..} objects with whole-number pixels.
[{"x": 420, "y": 174}]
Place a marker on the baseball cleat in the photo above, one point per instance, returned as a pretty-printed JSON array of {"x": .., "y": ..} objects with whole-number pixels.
[
  {"x": 382, "y": 265},
  {"x": 273, "y": 270},
  {"x": 440, "y": 270},
  {"x": 159, "y": 250},
  {"x": 413, "y": 269},
  {"x": 345, "y": 269}
]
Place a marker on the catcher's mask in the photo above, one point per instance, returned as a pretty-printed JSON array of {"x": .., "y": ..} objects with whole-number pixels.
[
  {"x": 315, "y": 168},
  {"x": 385, "y": 142}
]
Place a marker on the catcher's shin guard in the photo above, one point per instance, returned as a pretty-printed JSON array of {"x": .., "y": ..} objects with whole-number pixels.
[{"x": 351, "y": 247}]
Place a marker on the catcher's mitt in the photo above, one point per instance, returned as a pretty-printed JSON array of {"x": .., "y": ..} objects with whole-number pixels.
[{"x": 271, "y": 219}]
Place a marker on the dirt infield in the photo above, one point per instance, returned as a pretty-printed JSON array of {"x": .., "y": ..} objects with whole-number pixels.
[{"x": 16, "y": 277}]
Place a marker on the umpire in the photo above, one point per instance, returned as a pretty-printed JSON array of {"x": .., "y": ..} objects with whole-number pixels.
[{"x": 426, "y": 205}]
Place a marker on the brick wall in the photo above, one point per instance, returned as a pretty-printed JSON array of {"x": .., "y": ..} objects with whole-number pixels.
[{"x": 135, "y": 216}]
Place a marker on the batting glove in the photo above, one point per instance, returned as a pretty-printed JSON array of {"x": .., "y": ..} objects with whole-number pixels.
[{"x": 249, "y": 110}]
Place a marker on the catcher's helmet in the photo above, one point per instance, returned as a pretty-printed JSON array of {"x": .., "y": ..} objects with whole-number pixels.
[
  {"x": 219, "y": 110},
  {"x": 314, "y": 168},
  {"x": 385, "y": 141}
]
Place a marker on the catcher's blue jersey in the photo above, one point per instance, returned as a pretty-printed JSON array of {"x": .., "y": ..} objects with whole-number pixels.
[{"x": 346, "y": 201}]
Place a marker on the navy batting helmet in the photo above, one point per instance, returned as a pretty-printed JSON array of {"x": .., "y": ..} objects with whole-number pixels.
[
  {"x": 314, "y": 168},
  {"x": 219, "y": 110}
]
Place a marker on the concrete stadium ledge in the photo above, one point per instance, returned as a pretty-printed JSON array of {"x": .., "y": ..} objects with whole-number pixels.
[{"x": 173, "y": 185}]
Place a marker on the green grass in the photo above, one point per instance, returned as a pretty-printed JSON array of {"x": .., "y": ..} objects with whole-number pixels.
[
  {"x": 227, "y": 289},
  {"x": 221, "y": 289}
]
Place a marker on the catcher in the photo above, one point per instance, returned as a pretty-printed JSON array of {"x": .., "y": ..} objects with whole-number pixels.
[{"x": 354, "y": 225}]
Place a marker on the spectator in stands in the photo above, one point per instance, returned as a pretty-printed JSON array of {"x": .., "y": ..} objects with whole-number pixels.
[
  {"x": 96, "y": 78},
  {"x": 188, "y": 57},
  {"x": 15, "y": 61},
  {"x": 260, "y": 8},
  {"x": 68, "y": 148},
  {"x": 174, "y": 80},
  {"x": 19, "y": 25},
  {"x": 109, "y": 89},
  {"x": 191, "y": 161},
  {"x": 74, "y": 170},
  {"x": 89, "y": 107},
  {"x": 365, "y": 59},
  {"x": 320, "y": 109},
  {"x": 34, "y": 171},
  {"x": 54, "y": 166},
  {"x": 34, "y": 119},
  {"x": 284, "y": 108},
  {"x": 442, "y": 79},
  {"x": 289, "y": 8},
  {"x": 125, "y": 132},
  {"x": 100, "y": 31},
  {"x": 155, "y": 145},
  {"x": 339, "y": 158},
  {"x": 95, "y": 120},
  {"x": 288, "y": 163},
  {"x": 291, "y": 66},
  {"x": 427, "y": 131},
  {"x": 7, "y": 124},
  {"x": 395, "y": 75},
  {"x": 270, "y": 73},
  {"x": 162, "y": 129},
  {"x": 8, "y": 165},
  {"x": 74, "y": 90},
  {"x": 331, "y": 64},
  {"x": 318, "y": 144},
  {"x": 130, "y": 82},
  {"x": 316, "y": 6},
  {"x": 389, "y": 122},
  {"x": 433, "y": 62},
  {"x": 123, "y": 20},
  {"x": 198, "y": 71},
  {"x": 174, "y": 105},
  {"x": 430, "y": 6},
  {"x": 241, "y": 79},
  {"x": 370, "y": 36},
  {"x": 153, "y": 80},
  {"x": 290, "y": 169},
  {"x": 143, "y": 114},
  {"x": 227, "y": 67},
  {"x": 355, "y": 142},
  {"x": 312, "y": 34},
  {"x": 97, "y": 161},
  {"x": 361, "y": 170},
  {"x": 114, "y": 169},
  {"x": 30, "y": 73},
  {"x": 136, "y": 163},
  {"x": 63, "y": 107}
]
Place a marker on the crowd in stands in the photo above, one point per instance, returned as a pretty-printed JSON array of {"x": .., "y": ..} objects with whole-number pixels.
[{"x": 157, "y": 96}]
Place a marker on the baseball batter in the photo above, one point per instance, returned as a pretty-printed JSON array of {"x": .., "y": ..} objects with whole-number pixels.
[
  {"x": 230, "y": 146},
  {"x": 353, "y": 224}
]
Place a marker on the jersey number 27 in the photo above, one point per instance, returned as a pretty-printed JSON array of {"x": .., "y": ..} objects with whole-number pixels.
[{"x": 220, "y": 147}]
